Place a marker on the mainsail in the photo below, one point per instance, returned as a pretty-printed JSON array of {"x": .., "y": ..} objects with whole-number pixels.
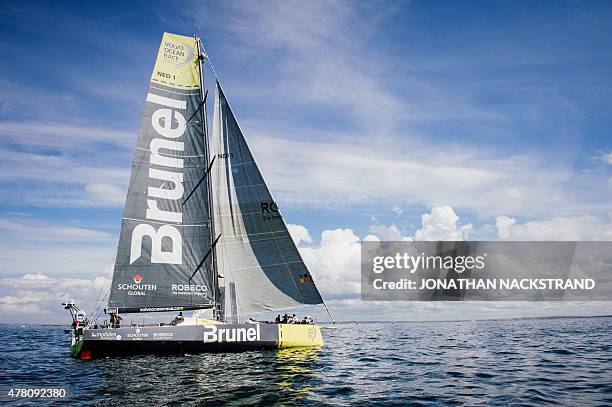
[
  {"x": 164, "y": 236},
  {"x": 260, "y": 266}
]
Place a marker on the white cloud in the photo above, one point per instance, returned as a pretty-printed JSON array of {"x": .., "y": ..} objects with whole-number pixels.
[
  {"x": 29, "y": 245},
  {"x": 442, "y": 224},
  {"x": 299, "y": 234},
  {"x": 607, "y": 158},
  {"x": 26, "y": 229},
  {"x": 335, "y": 263},
  {"x": 106, "y": 193},
  {"x": 426, "y": 176},
  {"x": 56, "y": 259},
  {"x": 391, "y": 233},
  {"x": 42, "y": 282},
  {"x": 38, "y": 297},
  {"x": 61, "y": 135},
  {"x": 503, "y": 225},
  {"x": 49, "y": 180},
  {"x": 570, "y": 228}
]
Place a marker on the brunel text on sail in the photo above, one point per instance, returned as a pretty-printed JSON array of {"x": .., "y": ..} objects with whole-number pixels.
[{"x": 170, "y": 124}]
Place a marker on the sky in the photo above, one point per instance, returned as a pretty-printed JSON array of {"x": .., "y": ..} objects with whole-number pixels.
[{"x": 427, "y": 120}]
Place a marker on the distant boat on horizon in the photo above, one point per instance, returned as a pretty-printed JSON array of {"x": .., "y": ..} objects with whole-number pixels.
[{"x": 200, "y": 232}]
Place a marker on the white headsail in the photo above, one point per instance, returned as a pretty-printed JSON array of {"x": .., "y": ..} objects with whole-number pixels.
[{"x": 255, "y": 254}]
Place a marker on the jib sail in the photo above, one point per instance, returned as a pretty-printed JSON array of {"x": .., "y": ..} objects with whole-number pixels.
[
  {"x": 260, "y": 265},
  {"x": 164, "y": 237}
]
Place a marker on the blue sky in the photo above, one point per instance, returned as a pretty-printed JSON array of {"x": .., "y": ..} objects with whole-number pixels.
[{"x": 478, "y": 120}]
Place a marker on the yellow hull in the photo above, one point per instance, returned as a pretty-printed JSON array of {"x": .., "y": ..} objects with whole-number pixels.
[{"x": 298, "y": 335}]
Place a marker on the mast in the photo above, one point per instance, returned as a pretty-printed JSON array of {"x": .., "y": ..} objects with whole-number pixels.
[{"x": 211, "y": 223}]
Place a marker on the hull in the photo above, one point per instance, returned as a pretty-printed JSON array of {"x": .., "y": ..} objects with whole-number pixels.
[{"x": 182, "y": 339}]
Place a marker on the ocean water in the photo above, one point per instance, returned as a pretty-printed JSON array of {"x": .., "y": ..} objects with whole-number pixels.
[{"x": 504, "y": 362}]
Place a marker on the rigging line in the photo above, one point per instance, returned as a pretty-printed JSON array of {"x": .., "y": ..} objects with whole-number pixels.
[
  {"x": 202, "y": 103},
  {"x": 212, "y": 247},
  {"x": 99, "y": 313},
  {"x": 95, "y": 308},
  {"x": 106, "y": 273},
  {"x": 103, "y": 299},
  {"x": 212, "y": 68},
  {"x": 200, "y": 181},
  {"x": 98, "y": 303}
]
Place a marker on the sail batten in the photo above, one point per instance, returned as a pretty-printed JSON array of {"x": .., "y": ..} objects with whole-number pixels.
[{"x": 256, "y": 255}]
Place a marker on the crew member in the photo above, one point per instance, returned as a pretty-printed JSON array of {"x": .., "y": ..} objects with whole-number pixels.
[{"x": 115, "y": 321}]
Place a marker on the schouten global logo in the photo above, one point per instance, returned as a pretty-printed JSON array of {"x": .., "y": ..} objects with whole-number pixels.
[
  {"x": 137, "y": 288},
  {"x": 214, "y": 333}
]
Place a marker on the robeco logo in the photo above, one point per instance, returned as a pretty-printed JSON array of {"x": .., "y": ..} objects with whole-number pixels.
[{"x": 137, "y": 278}]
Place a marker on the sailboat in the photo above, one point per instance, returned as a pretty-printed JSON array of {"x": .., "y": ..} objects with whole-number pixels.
[{"x": 200, "y": 232}]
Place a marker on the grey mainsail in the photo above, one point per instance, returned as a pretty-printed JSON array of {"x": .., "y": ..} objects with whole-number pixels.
[
  {"x": 256, "y": 257},
  {"x": 164, "y": 237}
]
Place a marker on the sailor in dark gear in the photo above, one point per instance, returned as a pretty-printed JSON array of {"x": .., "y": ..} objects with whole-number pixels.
[
  {"x": 278, "y": 319},
  {"x": 115, "y": 321},
  {"x": 178, "y": 319},
  {"x": 285, "y": 319}
]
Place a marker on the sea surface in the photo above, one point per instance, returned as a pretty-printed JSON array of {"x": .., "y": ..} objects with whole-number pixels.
[{"x": 502, "y": 362}]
